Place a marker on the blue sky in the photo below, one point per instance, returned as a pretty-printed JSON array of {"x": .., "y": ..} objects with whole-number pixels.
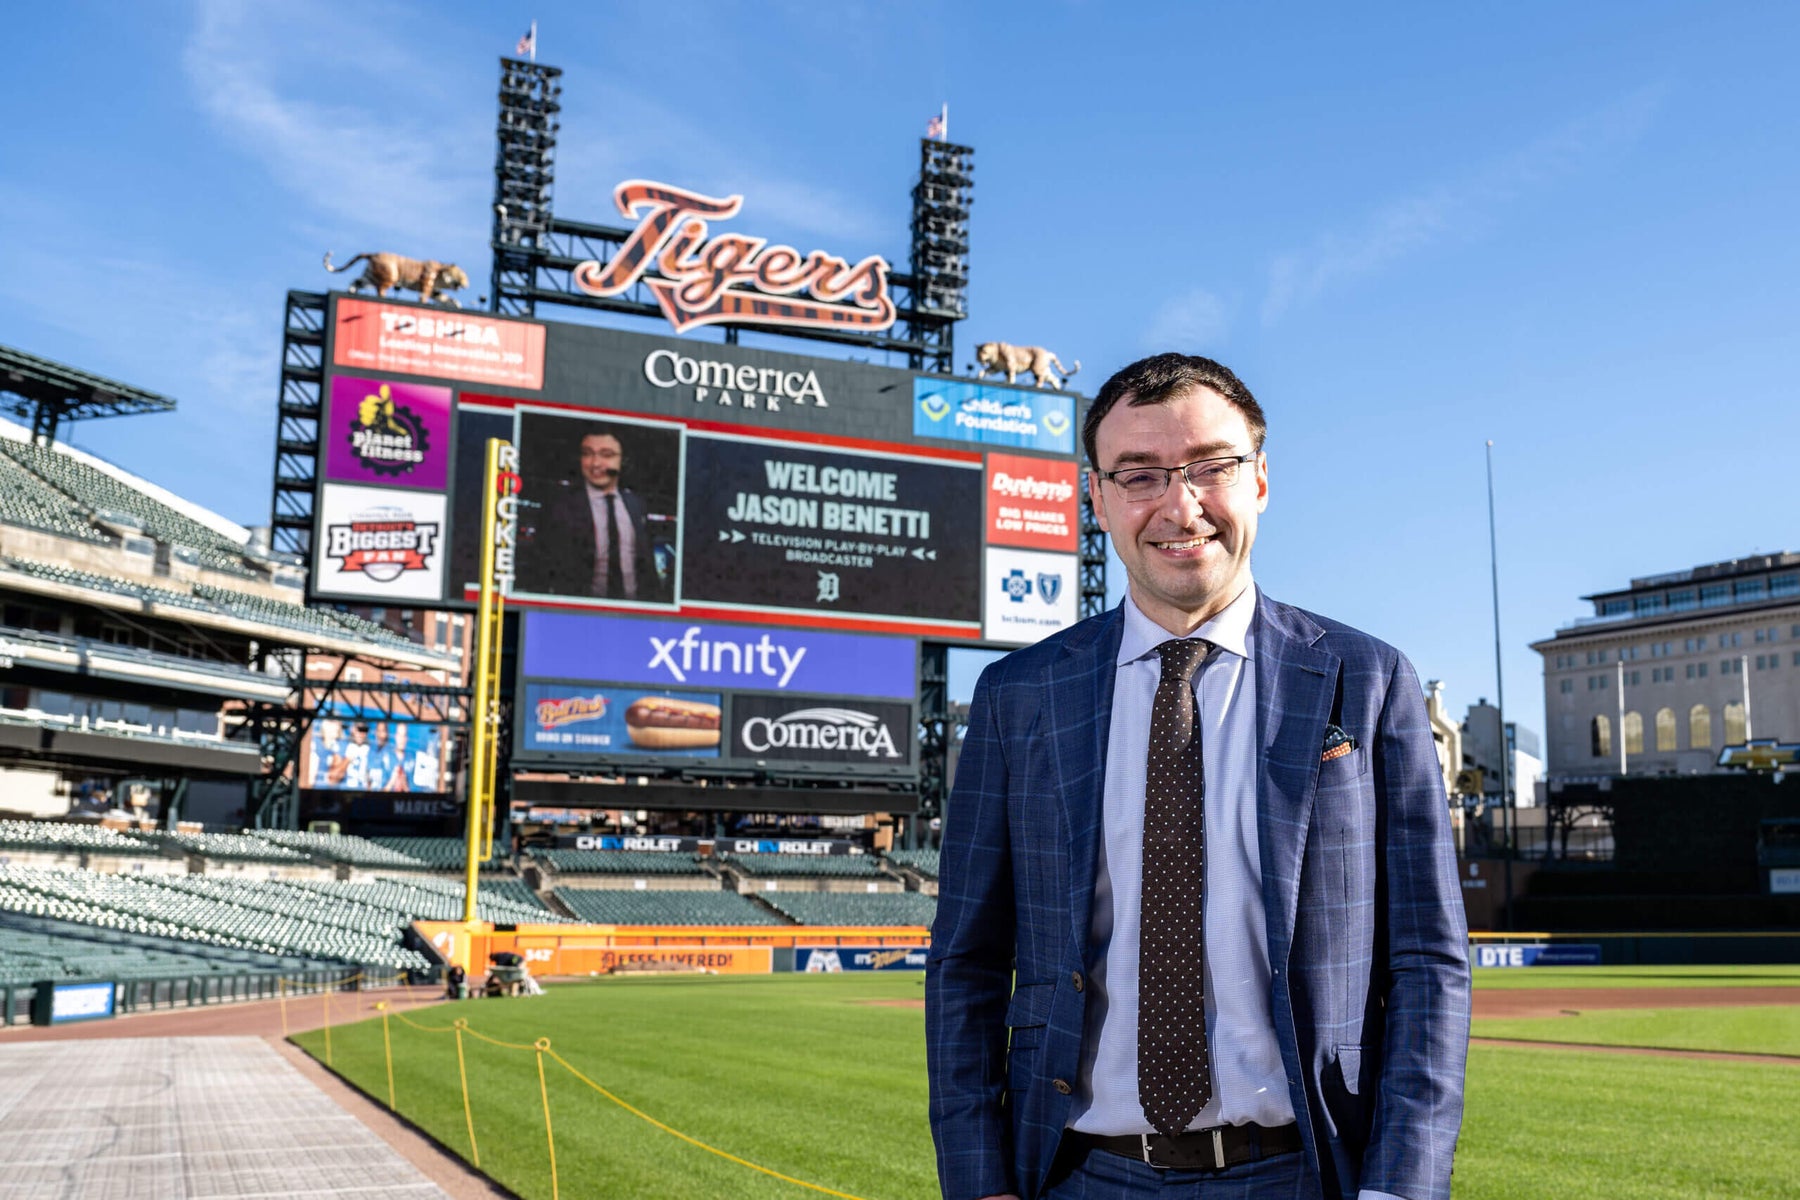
[{"x": 1411, "y": 228}]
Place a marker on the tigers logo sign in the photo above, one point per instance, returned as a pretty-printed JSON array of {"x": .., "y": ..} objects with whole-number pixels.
[{"x": 732, "y": 277}]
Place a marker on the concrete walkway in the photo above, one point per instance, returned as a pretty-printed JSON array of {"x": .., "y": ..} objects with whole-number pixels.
[{"x": 221, "y": 1118}]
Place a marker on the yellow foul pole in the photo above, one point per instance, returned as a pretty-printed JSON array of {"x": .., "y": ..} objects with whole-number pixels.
[{"x": 499, "y": 523}]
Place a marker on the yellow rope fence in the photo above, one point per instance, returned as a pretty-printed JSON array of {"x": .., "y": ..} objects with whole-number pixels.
[
  {"x": 541, "y": 1050},
  {"x": 329, "y": 987}
]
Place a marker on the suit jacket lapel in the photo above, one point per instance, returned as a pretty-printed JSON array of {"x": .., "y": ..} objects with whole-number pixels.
[
  {"x": 1080, "y": 691},
  {"x": 1294, "y": 687}
]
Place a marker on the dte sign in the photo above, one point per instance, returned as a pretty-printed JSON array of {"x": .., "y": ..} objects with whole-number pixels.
[{"x": 1566, "y": 954}]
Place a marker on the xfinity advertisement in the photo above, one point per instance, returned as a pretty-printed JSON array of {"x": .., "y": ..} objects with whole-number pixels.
[
  {"x": 595, "y": 691},
  {"x": 705, "y": 655}
]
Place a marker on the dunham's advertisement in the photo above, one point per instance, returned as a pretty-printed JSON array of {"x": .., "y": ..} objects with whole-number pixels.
[
  {"x": 371, "y": 336},
  {"x": 1032, "y": 502},
  {"x": 1028, "y": 596},
  {"x": 774, "y": 525},
  {"x": 378, "y": 544},
  {"x": 388, "y": 433},
  {"x": 588, "y": 721}
]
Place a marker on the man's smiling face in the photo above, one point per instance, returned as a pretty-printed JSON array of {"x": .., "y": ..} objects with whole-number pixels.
[
  {"x": 1187, "y": 555},
  {"x": 601, "y": 457}
]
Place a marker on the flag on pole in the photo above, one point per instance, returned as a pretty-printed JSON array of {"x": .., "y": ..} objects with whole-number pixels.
[
  {"x": 528, "y": 43},
  {"x": 938, "y": 127}
]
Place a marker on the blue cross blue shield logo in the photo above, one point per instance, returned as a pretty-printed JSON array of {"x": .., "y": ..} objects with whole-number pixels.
[
  {"x": 1017, "y": 586},
  {"x": 1049, "y": 586}
]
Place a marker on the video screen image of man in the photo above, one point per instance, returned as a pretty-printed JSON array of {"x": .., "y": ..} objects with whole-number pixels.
[{"x": 597, "y": 498}]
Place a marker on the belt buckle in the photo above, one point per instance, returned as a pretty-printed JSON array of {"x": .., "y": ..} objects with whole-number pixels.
[{"x": 1218, "y": 1149}]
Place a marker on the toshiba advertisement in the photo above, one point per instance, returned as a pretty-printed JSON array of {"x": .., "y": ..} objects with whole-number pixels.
[{"x": 463, "y": 346}]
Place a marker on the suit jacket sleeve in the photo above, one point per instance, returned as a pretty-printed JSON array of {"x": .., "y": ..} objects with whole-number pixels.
[
  {"x": 969, "y": 968},
  {"x": 1419, "y": 1103},
  {"x": 560, "y": 558}
]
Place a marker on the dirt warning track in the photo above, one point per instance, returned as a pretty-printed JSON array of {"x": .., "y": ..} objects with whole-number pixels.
[{"x": 1555, "y": 1002}]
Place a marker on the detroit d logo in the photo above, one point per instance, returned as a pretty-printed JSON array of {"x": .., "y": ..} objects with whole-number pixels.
[{"x": 387, "y": 438}]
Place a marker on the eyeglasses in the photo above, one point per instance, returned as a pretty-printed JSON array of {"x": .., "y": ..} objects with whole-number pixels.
[{"x": 1206, "y": 475}]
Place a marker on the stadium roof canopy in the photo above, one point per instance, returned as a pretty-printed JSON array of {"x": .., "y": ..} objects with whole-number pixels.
[{"x": 50, "y": 393}]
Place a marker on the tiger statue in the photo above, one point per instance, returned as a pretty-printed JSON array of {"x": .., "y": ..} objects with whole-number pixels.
[
  {"x": 424, "y": 276},
  {"x": 1016, "y": 360}
]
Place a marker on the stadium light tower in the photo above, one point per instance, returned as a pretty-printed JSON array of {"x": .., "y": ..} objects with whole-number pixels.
[{"x": 524, "y": 181}]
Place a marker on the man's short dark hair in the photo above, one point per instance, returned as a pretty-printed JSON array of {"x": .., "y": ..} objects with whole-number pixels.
[
  {"x": 1162, "y": 377},
  {"x": 598, "y": 429}
]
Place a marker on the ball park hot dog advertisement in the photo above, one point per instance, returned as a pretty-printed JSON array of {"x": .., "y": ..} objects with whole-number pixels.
[{"x": 624, "y": 719}]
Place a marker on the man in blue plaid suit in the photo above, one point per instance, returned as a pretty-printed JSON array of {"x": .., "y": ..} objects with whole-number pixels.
[{"x": 1335, "y": 986}]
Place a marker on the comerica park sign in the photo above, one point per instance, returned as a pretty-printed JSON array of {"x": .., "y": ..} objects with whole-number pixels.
[{"x": 700, "y": 280}]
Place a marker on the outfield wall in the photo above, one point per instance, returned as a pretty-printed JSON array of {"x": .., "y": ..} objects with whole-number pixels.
[
  {"x": 597, "y": 949},
  {"x": 1667, "y": 949}
]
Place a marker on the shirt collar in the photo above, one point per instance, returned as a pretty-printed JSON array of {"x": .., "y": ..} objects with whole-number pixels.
[{"x": 1229, "y": 630}]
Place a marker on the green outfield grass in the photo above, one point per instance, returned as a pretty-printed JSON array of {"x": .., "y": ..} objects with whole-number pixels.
[
  {"x": 807, "y": 1075},
  {"x": 1548, "y": 1124},
  {"x": 1636, "y": 977},
  {"x": 823, "y": 1078},
  {"x": 1752, "y": 1030}
]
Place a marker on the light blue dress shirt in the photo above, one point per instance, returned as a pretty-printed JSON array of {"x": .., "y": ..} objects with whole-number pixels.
[{"x": 1249, "y": 1081}]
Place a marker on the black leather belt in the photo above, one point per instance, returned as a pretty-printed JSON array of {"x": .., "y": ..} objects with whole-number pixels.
[{"x": 1198, "y": 1149}]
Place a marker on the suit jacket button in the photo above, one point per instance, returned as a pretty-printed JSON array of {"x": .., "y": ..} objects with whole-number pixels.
[
  {"x": 1061, "y": 1085},
  {"x": 1077, "y": 980}
]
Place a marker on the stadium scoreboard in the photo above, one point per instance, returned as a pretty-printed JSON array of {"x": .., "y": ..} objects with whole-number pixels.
[{"x": 724, "y": 553}]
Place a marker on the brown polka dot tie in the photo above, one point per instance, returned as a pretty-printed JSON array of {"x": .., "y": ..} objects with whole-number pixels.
[{"x": 1174, "y": 1069}]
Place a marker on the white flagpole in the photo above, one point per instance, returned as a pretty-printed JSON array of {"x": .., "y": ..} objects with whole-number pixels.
[
  {"x": 534, "y": 41},
  {"x": 944, "y": 117}
]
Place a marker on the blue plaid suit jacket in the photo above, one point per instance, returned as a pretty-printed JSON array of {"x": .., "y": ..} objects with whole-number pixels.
[{"x": 1367, "y": 941}]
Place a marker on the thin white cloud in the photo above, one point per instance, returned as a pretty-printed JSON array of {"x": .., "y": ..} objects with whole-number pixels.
[
  {"x": 1411, "y": 223},
  {"x": 1193, "y": 322},
  {"x": 190, "y": 337},
  {"x": 659, "y": 143},
  {"x": 416, "y": 174}
]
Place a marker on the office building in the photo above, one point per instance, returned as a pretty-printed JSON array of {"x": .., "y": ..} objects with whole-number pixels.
[{"x": 1669, "y": 671}]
